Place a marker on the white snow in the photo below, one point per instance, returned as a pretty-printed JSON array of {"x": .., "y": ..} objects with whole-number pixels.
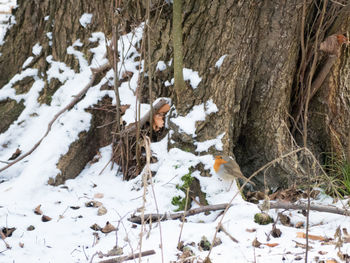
[
  {"x": 36, "y": 50},
  {"x": 85, "y": 19},
  {"x": 220, "y": 61},
  {"x": 187, "y": 123},
  {"x": 192, "y": 76},
  {"x": 161, "y": 65},
  {"x": 27, "y": 62},
  {"x": 204, "y": 146}
]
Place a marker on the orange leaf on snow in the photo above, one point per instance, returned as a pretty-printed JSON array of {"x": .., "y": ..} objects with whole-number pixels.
[
  {"x": 313, "y": 237},
  {"x": 271, "y": 244}
]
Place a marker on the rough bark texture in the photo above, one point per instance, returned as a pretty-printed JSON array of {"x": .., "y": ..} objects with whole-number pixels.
[
  {"x": 329, "y": 114},
  {"x": 252, "y": 89}
]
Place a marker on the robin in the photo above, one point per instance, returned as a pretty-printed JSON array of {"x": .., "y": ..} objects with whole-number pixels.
[{"x": 228, "y": 169}]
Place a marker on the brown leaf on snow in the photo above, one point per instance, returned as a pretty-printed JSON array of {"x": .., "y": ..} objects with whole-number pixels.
[
  {"x": 37, "y": 210},
  {"x": 96, "y": 227},
  {"x": 101, "y": 211},
  {"x": 108, "y": 228},
  {"x": 299, "y": 224},
  {"x": 312, "y": 237},
  {"x": 21, "y": 245},
  {"x": 322, "y": 252},
  {"x": 250, "y": 230},
  {"x": 7, "y": 231},
  {"x": 301, "y": 245},
  {"x": 45, "y": 218},
  {"x": 126, "y": 76},
  {"x": 256, "y": 243},
  {"x": 15, "y": 154},
  {"x": 98, "y": 195},
  {"x": 93, "y": 203}
]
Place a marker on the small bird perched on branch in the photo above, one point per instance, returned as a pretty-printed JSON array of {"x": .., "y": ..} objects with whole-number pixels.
[{"x": 228, "y": 169}]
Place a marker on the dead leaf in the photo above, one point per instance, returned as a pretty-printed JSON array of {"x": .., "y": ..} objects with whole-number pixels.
[
  {"x": 37, "y": 210},
  {"x": 30, "y": 228},
  {"x": 21, "y": 245},
  {"x": 7, "y": 231},
  {"x": 301, "y": 245},
  {"x": 101, "y": 211},
  {"x": 285, "y": 220},
  {"x": 123, "y": 108},
  {"x": 276, "y": 232},
  {"x": 271, "y": 244},
  {"x": 93, "y": 203},
  {"x": 96, "y": 227},
  {"x": 15, "y": 154},
  {"x": 312, "y": 237},
  {"x": 164, "y": 109},
  {"x": 333, "y": 43},
  {"x": 158, "y": 122},
  {"x": 256, "y": 243},
  {"x": 322, "y": 252},
  {"x": 45, "y": 218},
  {"x": 126, "y": 75},
  {"x": 108, "y": 228},
  {"x": 250, "y": 230},
  {"x": 299, "y": 224},
  {"x": 98, "y": 195},
  {"x": 331, "y": 261}
]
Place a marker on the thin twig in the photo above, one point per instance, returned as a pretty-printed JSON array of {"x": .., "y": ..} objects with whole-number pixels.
[
  {"x": 148, "y": 169},
  {"x": 183, "y": 219}
]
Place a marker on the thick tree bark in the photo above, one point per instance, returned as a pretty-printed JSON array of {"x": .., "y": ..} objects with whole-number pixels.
[
  {"x": 252, "y": 87},
  {"x": 260, "y": 42}
]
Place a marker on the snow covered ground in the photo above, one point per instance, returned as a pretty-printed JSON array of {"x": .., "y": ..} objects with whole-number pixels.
[{"x": 68, "y": 236}]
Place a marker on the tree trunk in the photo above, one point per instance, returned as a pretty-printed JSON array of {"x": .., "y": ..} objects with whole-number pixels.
[{"x": 259, "y": 44}]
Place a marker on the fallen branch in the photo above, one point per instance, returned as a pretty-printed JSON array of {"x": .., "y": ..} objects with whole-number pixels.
[
  {"x": 125, "y": 258},
  {"x": 303, "y": 206},
  {"x": 77, "y": 98},
  {"x": 167, "y": 216}
]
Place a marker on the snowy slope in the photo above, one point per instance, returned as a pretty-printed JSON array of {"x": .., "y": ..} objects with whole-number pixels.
[{"x": 67, "y": 237}]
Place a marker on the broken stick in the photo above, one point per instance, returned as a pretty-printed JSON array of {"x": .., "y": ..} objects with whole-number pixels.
[
  {"x": 125, "y": 258},
  {"x": 303, "y": 206},
  {"x": 167, "y": 216}
]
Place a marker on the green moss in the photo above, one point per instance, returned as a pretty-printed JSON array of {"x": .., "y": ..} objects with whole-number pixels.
[
  {"x": 180, "y": 201},
  {"x": 262, "y": 219}
]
